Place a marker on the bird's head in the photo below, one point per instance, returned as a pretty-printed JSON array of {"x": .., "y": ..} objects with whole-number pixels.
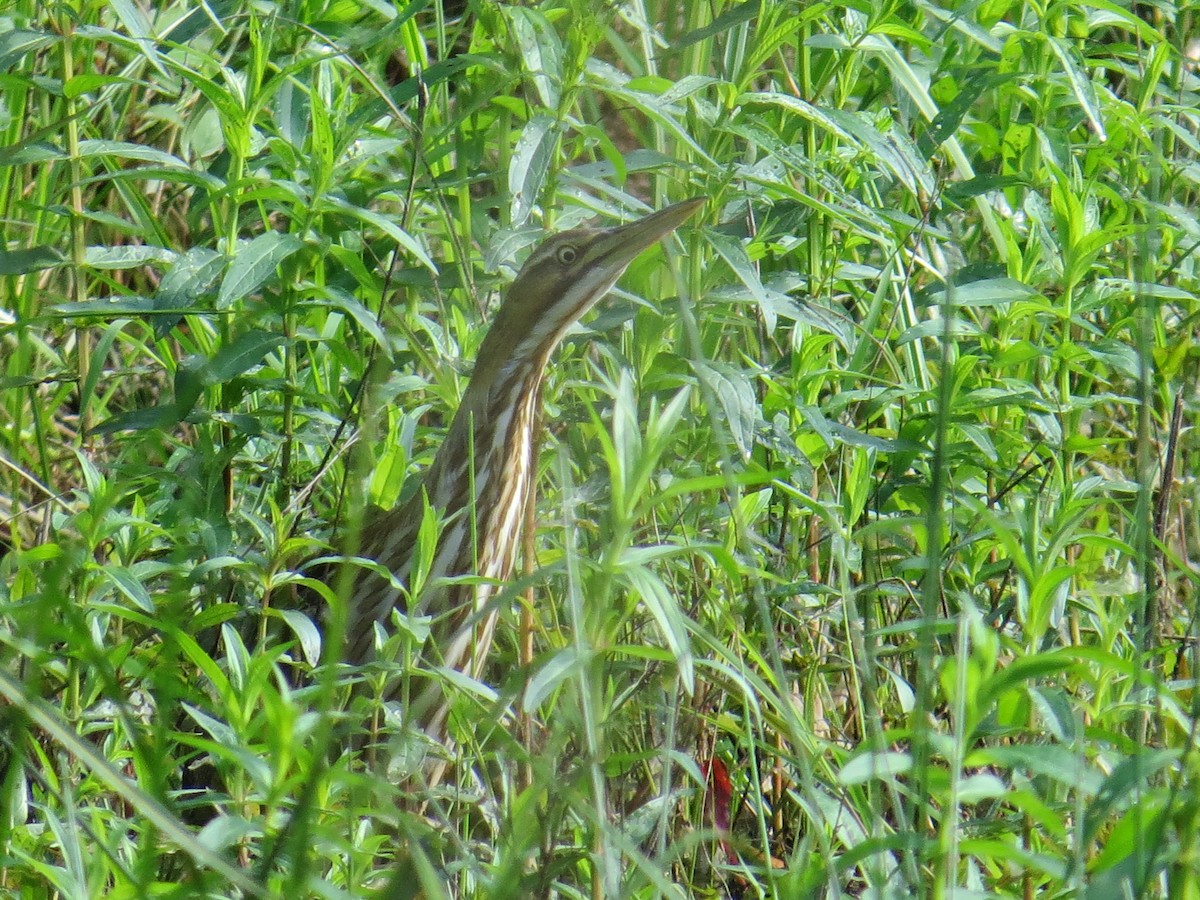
[{"x": 565, "y": 276}]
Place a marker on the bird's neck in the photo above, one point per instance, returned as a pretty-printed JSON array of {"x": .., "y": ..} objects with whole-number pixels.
[{"x": 490, "y": 447}]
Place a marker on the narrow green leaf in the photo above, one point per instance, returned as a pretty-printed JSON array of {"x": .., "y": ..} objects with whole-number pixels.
[
  {"x": 1081, "y": 85},
  {"x": 739, "y": 406},
  {"x": 189, "y": 384},
  {"x": 95, "y": 369},
  {"x": 731, "y": 250},
  {"x": 1130, "y": 776},
  {"x": 125, "y": 150},
  {"x": 136, "y": 25},
  {"x": 732, "y": 17},
  {"x": 129, "y": 585},
  {"x": 672, "y": 623},
  {"x": 129, "y": 256},
  {"x": 388, "y": 227}
]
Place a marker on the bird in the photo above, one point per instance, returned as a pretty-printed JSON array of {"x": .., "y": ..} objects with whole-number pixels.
[{"x": 482, "y": 475}]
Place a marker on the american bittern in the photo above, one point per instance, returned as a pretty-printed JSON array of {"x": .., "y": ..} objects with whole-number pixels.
[{"x": 491, "y": 447}]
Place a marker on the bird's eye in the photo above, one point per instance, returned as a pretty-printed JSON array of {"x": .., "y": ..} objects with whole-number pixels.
[{"x": 567, "y": 255}]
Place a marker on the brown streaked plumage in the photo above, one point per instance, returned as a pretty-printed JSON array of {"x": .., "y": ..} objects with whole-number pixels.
[{"x": 492, "y": 445}]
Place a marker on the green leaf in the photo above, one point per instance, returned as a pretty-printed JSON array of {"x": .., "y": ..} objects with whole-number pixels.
[
  {"x": 253, "y": 263},
  {"x": 672, "y": 623},
  {"x": 734, "y": 254},
  {"x": 667, "y": 115},
  {"x": 189, "y": 384},
  {"x": 306, "y": 633},
  {"x": 133, "y": 19},
  {"x": 350, "y": 305},
  {"x": 739, "y": 406},
  {"x": 193, "y": 275},
  {"x": 95, "y": 369},
  {"x": 989, "y": 292},
  {"x": 549, "y": 675},
  {"x": 29, "y": 259},
  {"x": 125, "y": 150},
  {"x": 88, "y": 82},
  {"x": 127, "y": 256},
  {"x": 129, "y": 585},
  {"x": 871, "y": 766},
  {"x": 18, "y": 43},
  {"x": 246, "y": 350},
  {"x": 388, "y": 227},
  {"x": 541, "y": 51},
  {"x": 732, "y": 17},
  {"x": 1081, "y": 85},
  {"x": 1131, "y": 776},
  {"x": 950, "y": 116},
  {"x": 530, "y": 164},
  {"x": 164, "y": 417}
]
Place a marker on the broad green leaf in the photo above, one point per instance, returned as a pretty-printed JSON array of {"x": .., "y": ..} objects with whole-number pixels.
[
  {"x": 306, "y": 633},
  {"x": 28, "y": 259},
  {"x": 88, "y": 82},
  {"x": 981, "y": 787},
  {"x": 246, "y": 351},
  {"x": 739, "y": 406},
  {"x": 163, "y": 417},
  {"x": 548, "y": 677},
  {"x": 869, "y": 766},
  {"x": 541, "y": 51},
  {"x": 253, "y": 263},
  {"x": 989, "y": 292},
  {"x": 530, "y": 163},
  {"x": 349, "y": 304},
  {"x": 193, "y": 275},
  {"x": 18, "y": 43}
]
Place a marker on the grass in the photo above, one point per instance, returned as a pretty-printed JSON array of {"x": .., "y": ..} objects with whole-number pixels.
[{"x": 875, "y": 492}]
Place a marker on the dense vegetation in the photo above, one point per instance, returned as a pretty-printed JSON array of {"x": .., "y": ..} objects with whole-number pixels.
[{"x": 867, "y": 517}]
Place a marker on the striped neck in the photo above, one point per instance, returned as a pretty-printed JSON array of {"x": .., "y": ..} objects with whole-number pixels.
[{"x": 492, "y": 449}]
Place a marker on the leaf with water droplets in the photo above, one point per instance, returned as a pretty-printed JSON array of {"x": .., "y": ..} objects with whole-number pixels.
[{"x": 530, "y": 163}]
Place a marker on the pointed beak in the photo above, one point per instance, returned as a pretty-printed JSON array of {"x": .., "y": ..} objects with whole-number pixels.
[{"x": 624, "y": 242}]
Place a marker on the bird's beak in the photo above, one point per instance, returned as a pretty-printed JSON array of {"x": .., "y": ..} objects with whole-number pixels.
[{"x": 624, "y": 242}]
